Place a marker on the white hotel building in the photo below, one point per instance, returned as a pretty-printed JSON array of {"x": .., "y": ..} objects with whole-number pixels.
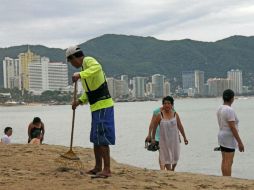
[
  {"x": 44, "y": 75},
  {"x": 117, "y": 88},
  {"x": 216, "y": 86},
  {"x": 11, "y": 72},
  {"x": 237, "y": 80}
]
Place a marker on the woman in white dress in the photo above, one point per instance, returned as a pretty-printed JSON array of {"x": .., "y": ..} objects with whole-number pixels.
[
  {"x": 228, "y": 136},
  {"x": 170, "y": 125}
]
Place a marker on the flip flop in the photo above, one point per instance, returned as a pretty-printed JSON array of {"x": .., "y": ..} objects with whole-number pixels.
[
  {"x": 217, "y": 149},
  {"x": 92, "y": 172},
  {"x": 100, "y": 175}
]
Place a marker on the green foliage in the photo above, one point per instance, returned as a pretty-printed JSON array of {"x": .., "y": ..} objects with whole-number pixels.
[
  {"x": 57, "y": 97},
  {"x": 132, "y": 55}
]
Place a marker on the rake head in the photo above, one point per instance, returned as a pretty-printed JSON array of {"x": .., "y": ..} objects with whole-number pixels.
[{"x": 70, "y": 155}]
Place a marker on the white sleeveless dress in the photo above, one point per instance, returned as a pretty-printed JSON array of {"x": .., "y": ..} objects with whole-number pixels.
[{"x": 169, "y": 141}]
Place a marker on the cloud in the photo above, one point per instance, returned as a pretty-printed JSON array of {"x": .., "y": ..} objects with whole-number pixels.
[{"x": 58, "y": 23}]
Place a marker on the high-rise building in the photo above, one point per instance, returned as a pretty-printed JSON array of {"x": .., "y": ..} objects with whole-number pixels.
[
  {"x": 125, "y": 78},
  {"x": 158, "y": 84},
  {"x": 166, "y": 89},
  {"x": 149, "y": 89},
  {"x": 111, "y": 86},
  {"x": 216, "y": 86},
  {"x": 193, "y": 81},
  {"x": 237, "y": 81},
  {"x": 188, "y": 78},
  {"x": 36, "y": 80},
  {"x": 25, "y": 60},
  {"x": 11, "y": 72},
  {"x": 44, "y": 75},
  {"x": 199, "y": 82},
  {"x": 57, "y": 75},
  {"x": 206, "y": 89},
  {"x": 121, "y": 88},
  {"x": 117, "y": 88},
  {"x": 126, "y": 85},
  {"x": 139, "y": 87}
]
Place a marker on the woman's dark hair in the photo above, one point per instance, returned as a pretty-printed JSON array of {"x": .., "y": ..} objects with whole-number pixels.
[
  {"x": 228, "y": 95},
  {"x": 168, "y": 98},
  {"x": 36, "y": 120},
  {"x": 7, "y": 129}
]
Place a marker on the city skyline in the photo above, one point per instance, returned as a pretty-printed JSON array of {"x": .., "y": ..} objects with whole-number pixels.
[
  {"x": 36, "y": 74},
  {"x": 143, "y": 87}
]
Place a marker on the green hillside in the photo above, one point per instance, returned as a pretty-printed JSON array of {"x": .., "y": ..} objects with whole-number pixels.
[{"x": 133, "y": 55}]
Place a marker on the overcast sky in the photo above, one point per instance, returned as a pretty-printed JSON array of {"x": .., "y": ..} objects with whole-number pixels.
[{"x": 61, "y": 23}]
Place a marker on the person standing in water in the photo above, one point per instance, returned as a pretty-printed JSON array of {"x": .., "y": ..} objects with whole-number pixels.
[
  {"x": 170, "y": 125},
  {"x": 228, "y": 136},
  {"x": 156, "y": 112},
  {"x": 97, "y": 94}
]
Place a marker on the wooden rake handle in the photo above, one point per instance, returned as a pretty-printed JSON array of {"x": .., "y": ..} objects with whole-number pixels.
[{"x": 73, "y": 113}]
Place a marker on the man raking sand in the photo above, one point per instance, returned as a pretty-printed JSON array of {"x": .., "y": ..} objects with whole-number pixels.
[{"x": 97, "y": 95}]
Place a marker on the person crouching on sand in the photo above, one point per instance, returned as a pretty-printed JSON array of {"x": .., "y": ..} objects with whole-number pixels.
[
  {"x": 37, "y": 139},
  {"x": 36, "y": 126}
]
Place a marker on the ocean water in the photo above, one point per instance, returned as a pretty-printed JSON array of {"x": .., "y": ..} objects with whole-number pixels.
[{"x": 132, "y": 121}]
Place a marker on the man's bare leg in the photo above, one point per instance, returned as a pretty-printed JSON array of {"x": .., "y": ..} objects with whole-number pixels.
[
  {"x": 98, "y": 161},
  {"x": 105, "y": 154}
]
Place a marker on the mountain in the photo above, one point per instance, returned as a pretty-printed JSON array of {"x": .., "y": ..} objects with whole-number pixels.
[{"x": 134, "y": 55}]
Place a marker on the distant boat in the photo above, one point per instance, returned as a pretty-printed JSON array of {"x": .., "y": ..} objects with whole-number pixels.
[
  {"x": 11, "y": 103},
  {"x": 241, "y": 98}
]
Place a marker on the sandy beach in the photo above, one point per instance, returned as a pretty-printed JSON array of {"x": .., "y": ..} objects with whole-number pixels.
[{"x": 29, "y": 167}]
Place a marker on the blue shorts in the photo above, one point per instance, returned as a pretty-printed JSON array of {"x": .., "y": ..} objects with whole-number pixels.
[{"x": 103, "y": 127}]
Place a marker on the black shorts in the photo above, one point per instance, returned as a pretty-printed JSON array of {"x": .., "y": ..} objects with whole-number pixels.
[{"x": 224, "y": 149}]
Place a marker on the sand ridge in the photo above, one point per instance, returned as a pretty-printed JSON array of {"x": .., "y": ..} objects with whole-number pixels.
[{"x": 30, "y": 167}]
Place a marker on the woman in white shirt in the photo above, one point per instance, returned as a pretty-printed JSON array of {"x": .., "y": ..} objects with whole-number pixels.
[
  {"x": 6, "y": 138},
  {"x": 228, "y": 136}
]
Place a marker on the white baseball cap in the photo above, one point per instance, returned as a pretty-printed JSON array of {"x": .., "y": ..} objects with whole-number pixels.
[{"x": 71, "y": 51}]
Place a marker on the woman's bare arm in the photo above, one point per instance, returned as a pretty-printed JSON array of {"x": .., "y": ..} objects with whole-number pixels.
[
  {"x": 30, "y": 126},
  {"x": 149, "y": 136},
  {"x": 156, "y": 123},
  {"x": 231, "y": 125},
  {"x": 181, "y": 129}
]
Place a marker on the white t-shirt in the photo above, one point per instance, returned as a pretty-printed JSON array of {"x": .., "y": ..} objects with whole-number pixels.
[
  {"x": 6, "y": 139},
  {"x": 226, "y": 138}
]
